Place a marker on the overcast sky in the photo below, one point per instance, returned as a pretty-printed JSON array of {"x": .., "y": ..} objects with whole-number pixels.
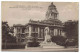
[{"x": 22, "y": 12}]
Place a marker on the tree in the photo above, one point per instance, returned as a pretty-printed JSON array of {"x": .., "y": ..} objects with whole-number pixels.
[
  {"x": 5, "y": 31},
  {"x": 71, "y": 29},
  {"x": 6, "y": 37},
  {"x": 11, "y": 29}
]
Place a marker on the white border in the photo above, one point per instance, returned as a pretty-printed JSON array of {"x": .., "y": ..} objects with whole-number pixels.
[
  {"x": 46, "y": 0},
  {"x": 40, "y": 1}
]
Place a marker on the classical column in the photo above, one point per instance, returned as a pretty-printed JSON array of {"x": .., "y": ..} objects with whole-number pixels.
[
  {"x": 59, "y": 31},
  {"x": 38, "y": 32},
  {"x": 29, "y": 30},
  {"x": 54, "y": 32},
  {"x": 15, "y": 31},
  {"x": 20, "y": 30}
]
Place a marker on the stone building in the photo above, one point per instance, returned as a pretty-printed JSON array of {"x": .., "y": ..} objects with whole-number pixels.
[{"x": 36, "y": 28}]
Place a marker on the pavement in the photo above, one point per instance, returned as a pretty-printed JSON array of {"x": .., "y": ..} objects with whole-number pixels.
[{"x": 38, "y": 49}]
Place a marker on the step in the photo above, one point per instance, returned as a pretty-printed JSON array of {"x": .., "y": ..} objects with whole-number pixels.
[{"x": 52, "y": 46}]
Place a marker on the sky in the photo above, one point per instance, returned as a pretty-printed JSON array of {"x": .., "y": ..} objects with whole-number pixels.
[{"x": 21, "y": 12}]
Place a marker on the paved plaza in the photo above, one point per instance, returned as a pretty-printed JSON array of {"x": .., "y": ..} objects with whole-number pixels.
[{"x": 37, "y": 49}]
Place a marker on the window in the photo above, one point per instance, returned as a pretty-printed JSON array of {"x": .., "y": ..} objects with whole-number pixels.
[
  {"x": 34, "y": 29},
  {"x": 52, "y": 32},
  {"x": 23, "y": 30},
  {"x": 41, "y": 33},
  {"x": 55, "y": 32},
  {"x": 18, "y": 30}
]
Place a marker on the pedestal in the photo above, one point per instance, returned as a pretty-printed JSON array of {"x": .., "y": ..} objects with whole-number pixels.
[
  {"x": 50, "y": 45},
  {"x": 26, "y": 46}
]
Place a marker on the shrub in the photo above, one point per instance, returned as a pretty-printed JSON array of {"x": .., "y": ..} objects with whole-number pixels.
[
  {"x": 70, "y": 42},
  {"x": 34, "y": 43},
  {"x": 60, "y": 40}
]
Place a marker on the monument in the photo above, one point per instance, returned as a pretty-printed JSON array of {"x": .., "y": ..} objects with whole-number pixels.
[{"x": 47, "y": 43}]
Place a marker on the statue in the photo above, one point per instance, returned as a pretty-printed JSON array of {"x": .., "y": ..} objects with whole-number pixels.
[
  {"x": 47, "y": 43},
  {"x": 47, "y": 36}
]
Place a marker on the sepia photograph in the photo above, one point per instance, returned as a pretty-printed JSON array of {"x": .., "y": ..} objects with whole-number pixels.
[{"x": 39, "y": 26}]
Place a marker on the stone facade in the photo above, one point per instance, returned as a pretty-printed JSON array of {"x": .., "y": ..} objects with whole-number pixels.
[{"x": 36, "y": 28}]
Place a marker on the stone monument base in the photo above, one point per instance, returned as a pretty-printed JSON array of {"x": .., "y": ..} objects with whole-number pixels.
[
  {"x": 50, "y": 45},
  {"x": 26, "y": 47}
]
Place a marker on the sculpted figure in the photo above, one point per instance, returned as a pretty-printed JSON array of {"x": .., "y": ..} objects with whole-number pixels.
[{"x": 47, "y": 36}]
